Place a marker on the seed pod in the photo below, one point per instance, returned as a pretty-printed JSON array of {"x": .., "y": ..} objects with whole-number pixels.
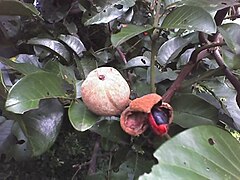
[
  {"x": 160, "y": 117},
  {"x": 145, "y": 111},
  {"x": 105, "y": 92}
]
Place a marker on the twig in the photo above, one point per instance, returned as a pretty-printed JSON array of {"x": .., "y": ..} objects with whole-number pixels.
[
  {"x": 121, "y": 55},
  {"x": 79, "y": 168},
  {"x": 93, "y": 161}
]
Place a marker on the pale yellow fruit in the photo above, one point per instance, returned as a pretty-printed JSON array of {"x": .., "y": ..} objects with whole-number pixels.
[{"x": 105, "y": 92}]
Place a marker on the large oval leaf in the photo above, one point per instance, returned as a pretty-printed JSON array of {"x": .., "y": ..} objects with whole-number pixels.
[
  {"x": 111, "y": 12},
  {"x": 28, "y": 91},
  {"x": 33, "y": 133},
  {"x": 139, "y": 61},
  {"x": 24, "y": 68},
  {"x": 208, "y": 5},
  {"x": 53, "y": 46},
  {"x": 111, "y": 130},
  {"x": 74, "y": 43},
  {"x": 231, "y": 33},
  {"x": 191, "y": 110},
  {"x": 204, "y": 152},
  {"x": 80, "y": 117},
  {"x": 170, "y": 49},
  {"x": 191, "y": 18},
  {"x": 18, "y": 8},
  {"x": 227, "y": 95},
  {"x": 127, "y": 33}
]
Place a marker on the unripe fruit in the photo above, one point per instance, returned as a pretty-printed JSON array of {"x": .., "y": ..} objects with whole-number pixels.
[{"x": 105, "y": 92}]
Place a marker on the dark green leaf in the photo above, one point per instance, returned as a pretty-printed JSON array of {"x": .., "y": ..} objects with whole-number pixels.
[
  {"x": 24, "y": 68},
  {"x": 74, "y": 43},
  {"x": 191, "y": 18},
  {"x": 53, "y": 46},
  {"x": 208, "y": 5},
  {"x": 127, "y": 33},
  {"x": 17, "y": 8},
  {"x": 227, "y": 95},
  {"x": 170, "y": 49},
  {"x": 161, "y": 76},
  {"x": 28, "y": 91},
  {"x": 111, "y": 130},
  {"x": 33, "y": 133},
  {"x": 139, "y": 61},
  {"x": 231, "y": 33},
  {"x": 80, "y": 117},
  {"x": 111, "y": 12},
  {"x": 191, "y": 110},
  {"x": 10, "y": 25},
  {"x": 41, "y": 126},
  {"x": 204, "y": 152},
  {"x": 135, "y": 166},
  {"x": 231, "y": 60}
]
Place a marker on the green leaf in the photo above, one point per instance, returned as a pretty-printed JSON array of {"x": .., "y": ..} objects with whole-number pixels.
[
  {"x": 204, "y": 152},
  {"x": 17, "y": 8},
  {"x": 227, "y": 96},
  {"x": 231, "y": 60},
  {"x": 161, "y": 76},
  {"x": 191, "y": 110},
  {"x": 170, "y": 50},
  {"x": 28, "y": 91},
  {"x": 139, "y": 61},
  {"x": 74, "y": 43},
  {"x": 33, "y": 133},
  {"x": 24, "y": 68},
  {"x": 111, "y": 130},
  {"x": 127, "y": 33},
  {"x": 111, "y": 12},
  {"x": 53, "y": 46},
  {"x": 191, "y": 18},
  {"x": 80, "y": 117},
  {"x": 208, "y": 5},
  {"x": 231, "y": 33}
]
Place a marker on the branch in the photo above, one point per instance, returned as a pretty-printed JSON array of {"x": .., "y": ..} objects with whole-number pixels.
[{"x": 197, "y": 55}]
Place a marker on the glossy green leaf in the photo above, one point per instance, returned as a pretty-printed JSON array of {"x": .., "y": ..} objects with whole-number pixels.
[
  {"x": 24, "y": 68},
  {"x": 17, "y": 8},
  {"x": 74, "y": 43},
  {"x": 161, "y": 76},
  {"x": 111, "y": 12},
  {"x": 190, "y": 18},
  {"x": 170, "y": 50},
  {"x": 33, "y": 133},
  {"x": 231, "y": 33},
  {"x": 133, "y": 167},
  {"x": 208, "y": 5},
  {"x": 80, "y": 117},
  {"x": 111, "y": 130},
  {"x": 191, "y": 110},
  {"x": 231, "y": 60},
  {"x": 127, "y": 33},
  {"x": 204, "y": 152},
  {"x": 139, "y": 61},
  {"x": 227, "y": 95},
  {"x": 28, "y": 91},
  {"x": 52, "y": 46}
]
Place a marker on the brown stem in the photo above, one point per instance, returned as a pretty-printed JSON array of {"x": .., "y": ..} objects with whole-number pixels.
[
  {"x": 93, "y": 161},
  {"x": 121, "y": 55}
]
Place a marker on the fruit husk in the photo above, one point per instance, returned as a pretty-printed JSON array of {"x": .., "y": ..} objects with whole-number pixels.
[{"x": 134, "y": 119}]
